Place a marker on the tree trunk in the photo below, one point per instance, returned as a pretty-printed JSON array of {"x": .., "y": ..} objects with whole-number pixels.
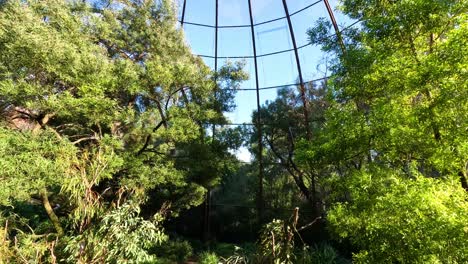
[{"x": 50, "y": 212}]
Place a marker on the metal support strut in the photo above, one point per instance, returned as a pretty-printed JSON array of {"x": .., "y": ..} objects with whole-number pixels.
[
  {"x": 299, "y": 70},
  {"x": 335, "y": 26},
  {"x": 260, "y": 205},
  {"x": 183, "y": 14},
  {"x": 208, "y": 193}
]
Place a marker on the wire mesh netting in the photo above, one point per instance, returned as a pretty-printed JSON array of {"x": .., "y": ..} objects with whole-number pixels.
[{"x": 270, "y": 36}]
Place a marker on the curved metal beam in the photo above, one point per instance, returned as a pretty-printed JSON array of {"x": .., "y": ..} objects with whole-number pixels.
[
  {"x": 335, "y": 26},
  {"x": 260, "y": 205},
  {"x": 183, "y": 13},
  {"x": 299, "y": 70}
]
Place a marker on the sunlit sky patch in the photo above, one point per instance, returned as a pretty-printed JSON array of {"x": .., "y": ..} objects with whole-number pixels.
[{"x": 273, "y": 70}]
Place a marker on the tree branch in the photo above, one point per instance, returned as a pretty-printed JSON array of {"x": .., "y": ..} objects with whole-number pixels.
[
  {"x": 148, "y": 138},
  {"x": 297, "y": 179},
  {"x": 83, "y": 139},
  {"x": 50, "y": 212}
]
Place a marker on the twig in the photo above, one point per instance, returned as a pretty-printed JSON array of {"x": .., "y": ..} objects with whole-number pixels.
[
  {"x": 5, "y": 235},
  {"x": 309, "y": 224},
  {"x": 83, "y": 139}
]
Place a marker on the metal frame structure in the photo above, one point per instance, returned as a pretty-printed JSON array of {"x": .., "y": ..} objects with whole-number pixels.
[
  {"x": 335, "y": 26},
  {"x": 257, "y": 88},
  {"x": 259, "y": 119},
  {"x": 288, "y": 17},
  {"x": 256, "y": 24},
  {"x": 299, "y": 70}
]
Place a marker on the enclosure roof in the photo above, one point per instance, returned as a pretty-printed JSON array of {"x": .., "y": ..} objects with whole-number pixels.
[{"x": 269, "y": 35}]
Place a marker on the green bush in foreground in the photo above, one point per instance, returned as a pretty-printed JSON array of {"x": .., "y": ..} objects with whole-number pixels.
[
  {"x": 208, "y": 258},
  {"x": 394, "y": 219},
  {"x": 321, "y": 254},
  {"x": 175, "y": 250}
]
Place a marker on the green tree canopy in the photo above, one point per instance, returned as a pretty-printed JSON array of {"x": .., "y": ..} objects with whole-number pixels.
[
  {"x": 102, "y": 105},
  {"x": 394, "y": 141}
]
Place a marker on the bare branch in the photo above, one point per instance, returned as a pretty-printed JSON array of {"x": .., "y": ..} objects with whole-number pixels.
[{"x": 83, "y": 139}]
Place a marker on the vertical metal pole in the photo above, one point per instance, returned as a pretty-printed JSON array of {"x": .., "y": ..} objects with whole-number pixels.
[
  {"x": 216, "y": 37},
  {"x": 302, "y": 88},
  {"x": 208, "y": 194},
  {"x": 299, "y": 70},
  {"x": 335, "y": 26},
  {"x": 183, "y": 13},
  {"x": 259, "y": 125},
  {"x": 216, "y": 57}
]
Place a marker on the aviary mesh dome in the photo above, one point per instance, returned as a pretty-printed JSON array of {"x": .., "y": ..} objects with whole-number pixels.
[{"x": 220, "y": 30}]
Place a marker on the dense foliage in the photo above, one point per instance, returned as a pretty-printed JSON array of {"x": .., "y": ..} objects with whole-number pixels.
[
  {"x": 386, "y": 161},
  {"x": 112, "y": 144},
  {"x": 394, "y": 142},
  {"x": 103, "y": 111}
]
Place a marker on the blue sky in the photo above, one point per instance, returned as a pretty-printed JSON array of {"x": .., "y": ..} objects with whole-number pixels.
[{"x": 274, "y": 70}]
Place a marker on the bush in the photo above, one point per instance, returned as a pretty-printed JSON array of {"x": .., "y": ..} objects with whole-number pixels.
[
  {"x": 208, "y": 258},
  {"x": 121, "y": 236},
  {"x": 239, "y": 256},
  {"x": 276, "y": 243},
  {"x": 321, "y": 254},
  {"x": 224, "y": 249},
  {"x": 397, "y": 219},
  {"x": 176, "y": 250}
]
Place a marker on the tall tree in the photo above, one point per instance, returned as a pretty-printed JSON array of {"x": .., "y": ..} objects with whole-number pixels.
[
  {"x": 395, "y": 135},
  {"x": 283, "y": 128},
  {"x": 101, "y": 106}
]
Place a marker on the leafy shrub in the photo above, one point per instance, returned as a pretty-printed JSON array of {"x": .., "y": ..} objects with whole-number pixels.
[
  {"x": 397, "y": 219},
  {"x": 276, "y": 243},
  {"x": 176, "y": 250},
  {"x": 121, "y": 236},
  {"x": 208, "y": 258},
  {"x": 321, "y": 254},
  {"x": 22, "y": 247},
  {"x": 224, "y": 249},
  {"x": 239, "y": 256}
]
